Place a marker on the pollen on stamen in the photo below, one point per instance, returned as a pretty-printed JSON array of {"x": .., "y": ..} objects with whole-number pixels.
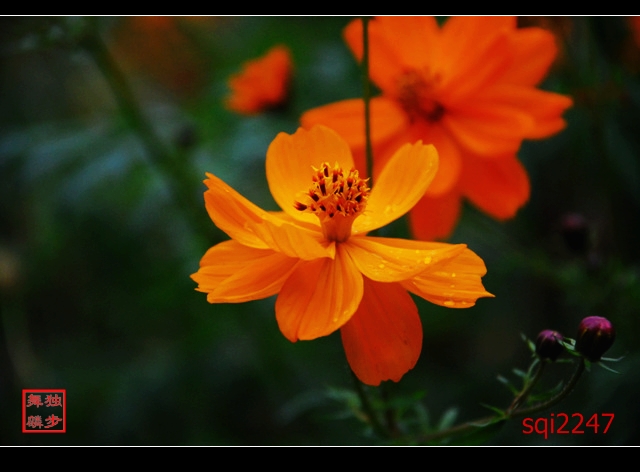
[{"x": 336, "y": 197}]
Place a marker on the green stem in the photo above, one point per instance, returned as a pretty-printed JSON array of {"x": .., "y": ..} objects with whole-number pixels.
[
  {"x": 366, "y": 88},
  {"x": 515, "y": 413},
  {"x": 389, "y": 413},
  {"x": 368, "y": 410},
  {"x": 522, "y": 396},
  {"x": 568, "y": 388}
]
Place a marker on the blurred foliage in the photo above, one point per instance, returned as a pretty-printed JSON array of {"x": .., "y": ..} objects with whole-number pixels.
[{"x": 98, "y": 239}]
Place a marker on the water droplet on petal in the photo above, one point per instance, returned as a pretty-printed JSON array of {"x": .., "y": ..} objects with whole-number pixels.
[
  {"x": 381, "y": 266},
  {"x": 449, "y": 303},
  {"x": 453, "y": 274},
  {"x": 427, "y": 260}
]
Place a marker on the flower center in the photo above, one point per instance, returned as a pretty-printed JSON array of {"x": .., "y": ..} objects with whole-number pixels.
[
  {"x": 336, "y": 199},
  {"x": 416, "y": 94}
]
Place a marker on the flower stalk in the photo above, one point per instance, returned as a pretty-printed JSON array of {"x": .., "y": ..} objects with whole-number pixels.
[
  {"x": 526, "y": 391},
  {"x": 513, "y": 411},
  {"x": 366, "y": 89},
  {"x": 368, "y": 409},
  {"x": 568, "y": 388}
]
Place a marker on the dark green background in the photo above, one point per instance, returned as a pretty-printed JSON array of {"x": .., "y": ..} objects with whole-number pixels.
[{"x": 96, "y": 250}]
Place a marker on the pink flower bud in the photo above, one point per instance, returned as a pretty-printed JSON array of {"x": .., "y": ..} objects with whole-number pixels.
[
  {"x": 549, "y": 345},
  {"x": 595, "y": 337}
]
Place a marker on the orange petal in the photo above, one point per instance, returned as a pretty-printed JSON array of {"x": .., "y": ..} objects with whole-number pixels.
[
  {"x": 347, "y": 119},
  {"x": 535, "y": 50},
  {"x": 290, "y": 162},
  {"x": 319, "y": 297},
  {"x": 251, "y": 226},
  {"x": 383, "y": 339},
  {"x": 232, "y": 273},
  {"x": 400, "y": 185},
  {"x": 262, "y": 83},
  {"x": 453, "y": 283},
  {"x": 435, "y": 217},
  {"x": 498, "y": 187},
  {"x": 395, "y": 43},
  {"x": 384, "y": 64},
  {"x": 488, "y": 128},
  {"x": 395, "y": 260},
  {"x": 545, "y": 108},
  {"x": 449, "y": 159},
  {"x": 461, "y": 34},
  {"x": 480, "y": 57},
  {"x": 413, "y": 38}
]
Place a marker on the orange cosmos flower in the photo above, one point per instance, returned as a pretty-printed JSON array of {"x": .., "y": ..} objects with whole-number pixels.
[
  {"x": 316, "y": 256},
  {"x": 469, "y": 88},
  {"x": 263, "y": 83}
]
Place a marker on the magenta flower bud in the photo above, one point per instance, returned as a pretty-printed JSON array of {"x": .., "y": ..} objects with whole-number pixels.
[
  {"x": 595, "y": 337},
  {"x": 549, "y": 345}
]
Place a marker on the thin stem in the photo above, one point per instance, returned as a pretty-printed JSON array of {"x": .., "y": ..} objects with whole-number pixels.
[
  {"x": 368, "y": 410},
  {"x": 389, "y": 413},
  {"x": 515, "y": 413},
  {"x": 522, "y": 396},
  {"x": 366, "y": 88},
  {"x": 568, "y": 388}
]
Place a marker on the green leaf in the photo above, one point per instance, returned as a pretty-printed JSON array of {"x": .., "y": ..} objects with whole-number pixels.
[
  {"x": 507, "y": 383},
  {"x": 519, "y": 373},
  {"x": 612, "y": 359},
  {"x": 478, "y": 436},
  {"x": 494, "y": 409},
  {"x": 606, "y": 367},
  {"x": 448, "y": 418}
]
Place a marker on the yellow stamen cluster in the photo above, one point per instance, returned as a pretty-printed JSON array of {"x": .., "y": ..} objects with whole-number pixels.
[
  {"x": 336, "y": 199},
  {"x": 416, "y": 94}
]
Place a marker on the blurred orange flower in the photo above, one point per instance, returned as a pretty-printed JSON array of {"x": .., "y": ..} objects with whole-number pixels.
[
  {"x": 469, "y": 88},
  {"x": 316, "y": 256},
  {"x": 158, "y": 46},
  {"x": 263, "y": 83}
]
